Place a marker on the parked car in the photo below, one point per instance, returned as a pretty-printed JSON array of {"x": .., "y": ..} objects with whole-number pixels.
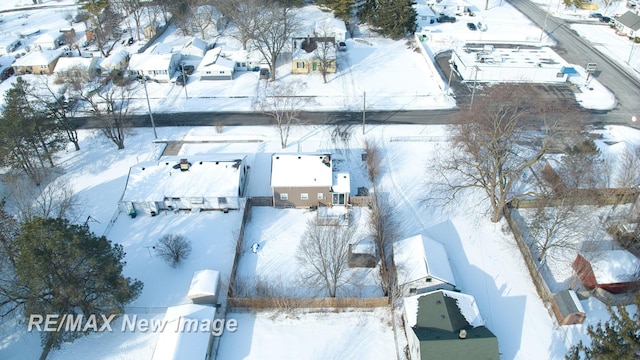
[
  {"x": 595, "y": 15},
  {"x": 472, "y": 26},
  {"x": 482, "y": 26},
  {"x": 182, "y": 79},
  {"x": 6, "y": 73},
  {"x": 189, "y": 69},
  {"x": 445, "y": 18},
  {"x": 606, "y": 19},
  {"x": 342, "y": 46},
  {"x": 264, "y": 74}
]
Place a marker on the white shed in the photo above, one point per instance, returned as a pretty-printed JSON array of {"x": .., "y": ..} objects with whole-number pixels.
[
  {"x": 204, "y": 287},
  {"x": 47, "y": 41},
  {"x": 194, "y": 49}
]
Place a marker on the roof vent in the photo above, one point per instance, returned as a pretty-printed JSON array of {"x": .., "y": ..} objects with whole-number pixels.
[{"x": 462, "y": 334}]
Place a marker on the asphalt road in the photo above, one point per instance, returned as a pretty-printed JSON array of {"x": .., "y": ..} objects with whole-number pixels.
[
  {"x": 576, "y": 50},
  {"x": 571, "y": 47}
]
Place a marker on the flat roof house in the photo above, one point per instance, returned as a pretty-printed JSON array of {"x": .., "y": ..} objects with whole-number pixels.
[
  {"x": 307, "y": 180},
  {"x": 185, "y": 184}
]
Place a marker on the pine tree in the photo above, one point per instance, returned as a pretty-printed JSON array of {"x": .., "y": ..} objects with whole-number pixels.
[
  {"x": 391, "y": 18},
  {"x": 616, "y": 339},
  {"x": 342, "y": 9},
  {"x": 62, "y": 268}
]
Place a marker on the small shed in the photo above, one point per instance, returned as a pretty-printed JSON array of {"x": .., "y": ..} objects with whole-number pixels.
[
  {"x": 194, "y": 49},
  {"x": 204, "y": 287},
  {"x": 48, "y": 41},
  {"x": 614, "y": 271},
  {"x": 567, "y": 308}
]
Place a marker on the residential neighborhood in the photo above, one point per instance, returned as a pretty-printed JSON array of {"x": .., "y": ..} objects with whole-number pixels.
[{"x": 249, "y": 179}]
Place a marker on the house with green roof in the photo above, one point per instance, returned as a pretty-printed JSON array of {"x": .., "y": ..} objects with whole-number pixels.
[{"x": 447, "y": 325}]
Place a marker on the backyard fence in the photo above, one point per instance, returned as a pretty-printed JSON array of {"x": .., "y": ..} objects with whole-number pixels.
[
  {"x": 280, "y": 303},
  {"x": 596, "y": 197},
  {"x": 246, "y": 215}
]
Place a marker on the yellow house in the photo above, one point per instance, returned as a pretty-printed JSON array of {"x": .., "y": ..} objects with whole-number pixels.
[
  {"x": 37, "y": 62},
  {"x": 313, "y": 54}
]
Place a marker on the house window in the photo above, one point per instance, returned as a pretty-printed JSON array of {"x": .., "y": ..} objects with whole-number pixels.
[
  {"x": 412, "y": 290},
  {"x": 284, "y": 196},
  {"x": 320, "y": 196},
  {"x": 222, "y": 72},
  {"x": 44, "y": 66},
  {"x": 304, "y": 196},
  {"x": 424, "y": 18},
  {"x": 222, "y": 201},
  {"x": 300, "y": 64},
  {"x": 338, "y": 199},
  {"x": 208, "y": 72}
]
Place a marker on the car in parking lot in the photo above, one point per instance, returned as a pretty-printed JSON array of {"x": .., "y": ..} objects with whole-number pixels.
[
  {"x": 446, "y": 18},
  {"x": 472, "y": 26}
]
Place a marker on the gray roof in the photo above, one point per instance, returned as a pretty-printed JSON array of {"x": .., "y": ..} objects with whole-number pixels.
[{"x": 630, "y": 20}]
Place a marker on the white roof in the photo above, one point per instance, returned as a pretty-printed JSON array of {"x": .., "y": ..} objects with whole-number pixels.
[
  {"x": 176, "y": 344},
  {"x": 36, "y": 58},
  {"x": 195, "y": 46},
  {"x": 7, "y": 41},
  {"x": 67, "y": 63},
  {"x": 204, "y": 283},
  {"x": 466, "y": 303},
  {"x": 300, "y": 170},
  {"x": 159, "y": 49},
  {"x": 341, "y": 183},
  {"x": 330, "y": 26},
  {"x": 420, "y": 256},
  {"x": 147, "y": 61},
  {"x": 47, "y": 38},
  {"x": 209, "y": 178},
  {"x": 212, "y": 61},
  {"x": 614, "y": 266},
  {"x": 112, "y": 61}
]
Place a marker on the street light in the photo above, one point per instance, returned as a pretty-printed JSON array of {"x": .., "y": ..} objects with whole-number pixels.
[
  {"x": 153, "y": 124},
  {"x": 544, "y": 26}
]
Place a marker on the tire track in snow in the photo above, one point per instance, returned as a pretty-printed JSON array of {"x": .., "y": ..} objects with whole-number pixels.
[{"x": 394, "y": 181}]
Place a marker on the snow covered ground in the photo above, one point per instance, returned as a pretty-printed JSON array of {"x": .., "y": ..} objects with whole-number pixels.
[{"x": 483, "y": 256}]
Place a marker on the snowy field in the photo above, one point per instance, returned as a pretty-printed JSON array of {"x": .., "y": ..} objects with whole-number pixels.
[{"x": 484, "y": 258}]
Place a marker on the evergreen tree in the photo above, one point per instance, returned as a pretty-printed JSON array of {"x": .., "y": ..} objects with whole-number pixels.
[
  {"x": 616, "y": 339},
  {"x": 342, "y": 9},
  {"x": 62, "y": 268},
  {"x": 391, "y": 18},
  {"x": 28, "y": 138}
]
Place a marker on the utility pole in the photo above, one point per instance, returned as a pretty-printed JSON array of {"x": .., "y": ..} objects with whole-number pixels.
[
  {"x": 153, "y": 124},
  {"x": 364, "y": 109},
  {"x": 184, "y": 81},
  {"x": 546, "y": 16},
  {"x": 473, "y": 92},
  {"x": 633, "y": 44},
  {"x": 450, "y": 75}
]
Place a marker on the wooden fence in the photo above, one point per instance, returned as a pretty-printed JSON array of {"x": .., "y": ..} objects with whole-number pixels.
[
  {"x": 360, "y": 200},
  {"x": 287, "y": 303},
  {"x": 596, "y": 197}
]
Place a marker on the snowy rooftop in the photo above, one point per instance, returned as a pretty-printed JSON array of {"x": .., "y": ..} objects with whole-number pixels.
[
  {"x": 466, "y": 303},
  {"x": 204, "y": 282},
  {"x": 341, "y": 183},
  {"x": 614, "y": 266},
  {"x": 420, "y": 256},
  {"x": 209, "y": 178},
  {"x": 213, "y": 59},
  {"x": 175, "y": 344},
  {"x": 67, "y": 63},
  {"x": 114, "y": 59},
  {"x": 511, "y": 56},
  {"x": 146, "y": 61},
  {"x": 37, "y": 58},
  {"x": 298, "y": 170},
  {"x": 195, "y": 46}
]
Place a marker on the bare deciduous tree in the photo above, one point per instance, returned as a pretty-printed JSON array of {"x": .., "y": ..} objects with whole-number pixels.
[
  {"x": 384, "y": 229},
  {"x": 582, "y": 166},
  {"x": 111, "y": 106},
  {"x": 283, "y": 103},
  {"x": 59, "y": 107},
  {"x": 555, "y": 227},
  {"x": 493, "y": 145},
  {"x": 629, "y": 163},
  {"x": 244, "y": 14},
  {"x": 274, "y": 28},
  {"x": 173, "y": 249},
  {"x": 205, "y": 18},
  {"x": 55, "y": 200},
  {"x": 323, "y": 253}
]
